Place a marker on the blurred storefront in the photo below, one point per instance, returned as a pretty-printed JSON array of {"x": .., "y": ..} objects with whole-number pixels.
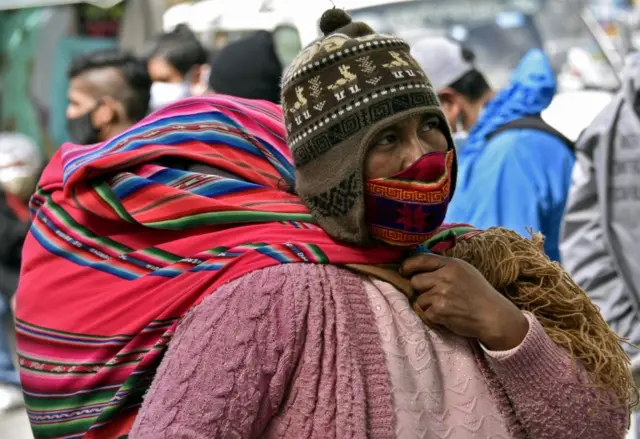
[{"x": 37, "y": 46}]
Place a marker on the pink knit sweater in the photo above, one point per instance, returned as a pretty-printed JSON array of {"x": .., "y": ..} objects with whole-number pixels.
[{"x": 307, "y": 351}]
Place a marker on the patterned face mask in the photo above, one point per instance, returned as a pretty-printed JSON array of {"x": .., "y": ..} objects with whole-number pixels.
[{"x": 407, "y": 208}]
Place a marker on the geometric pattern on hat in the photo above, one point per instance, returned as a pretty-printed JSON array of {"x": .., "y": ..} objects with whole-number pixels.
[
  {"x": 344, "y": 123},
  {"x": 342, "y": 75},
  {"x": 338, "y": 200}
]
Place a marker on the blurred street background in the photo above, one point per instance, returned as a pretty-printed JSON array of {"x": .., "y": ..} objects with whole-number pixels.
[{"x": 586, "y": 40}]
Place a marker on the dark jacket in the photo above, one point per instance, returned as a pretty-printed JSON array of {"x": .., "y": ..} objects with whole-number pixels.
[
  {"x": 248, "y": 68},
  {"x": 12, "y": 234}
]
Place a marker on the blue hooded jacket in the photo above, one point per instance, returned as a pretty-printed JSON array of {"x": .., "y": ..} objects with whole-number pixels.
[{"x": 520, "y": 178}]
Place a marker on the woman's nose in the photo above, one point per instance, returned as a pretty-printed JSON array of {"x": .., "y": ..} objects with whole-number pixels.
[{"x": 414, "y": 149}]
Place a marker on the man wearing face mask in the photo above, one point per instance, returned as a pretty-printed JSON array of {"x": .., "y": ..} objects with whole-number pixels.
[
  {"x": 463, "y": 91},
  {"x": 109, "y": 92},
  {"x": 509, "y": 152}
]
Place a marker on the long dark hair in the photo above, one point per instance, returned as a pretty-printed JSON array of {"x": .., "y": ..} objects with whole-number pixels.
[{"x": 180, "y": 48}]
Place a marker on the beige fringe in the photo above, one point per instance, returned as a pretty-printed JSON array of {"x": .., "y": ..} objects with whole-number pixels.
[{"x": 519, "y": 269}]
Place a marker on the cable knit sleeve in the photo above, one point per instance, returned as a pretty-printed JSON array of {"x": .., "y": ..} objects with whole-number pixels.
[
  {"x": 550, "y": 392},
  {"x": 227, "y": 367}
]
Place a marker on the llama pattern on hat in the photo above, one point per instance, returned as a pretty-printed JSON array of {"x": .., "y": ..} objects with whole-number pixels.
[
  {"x": 347, "y": 82},
  {"x": 398, "y": 61},
  {"x": 356, "y": 72},
  {"x": 301, "y": 103},
  {"x": 328, "y": 45}
]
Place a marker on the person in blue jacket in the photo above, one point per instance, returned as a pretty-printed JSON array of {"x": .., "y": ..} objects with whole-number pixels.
[{"x": 516, "y": 178}]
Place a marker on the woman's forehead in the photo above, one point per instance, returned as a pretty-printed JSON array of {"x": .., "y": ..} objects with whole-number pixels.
[
  {"x": 160, "y": 68},
  {"x": 411, "y": 121}
]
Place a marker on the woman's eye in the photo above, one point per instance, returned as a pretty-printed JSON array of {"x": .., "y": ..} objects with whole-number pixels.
[
  {"x": 387, "y": 139},
  {"x": 429, "y": 125}
]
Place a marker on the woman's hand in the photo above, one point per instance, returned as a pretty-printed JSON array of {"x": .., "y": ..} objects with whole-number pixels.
[{"x": 453, "y": 294}]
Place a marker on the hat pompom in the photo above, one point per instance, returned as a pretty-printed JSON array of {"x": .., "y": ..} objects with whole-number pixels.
[{"x": 333, "y": 19}]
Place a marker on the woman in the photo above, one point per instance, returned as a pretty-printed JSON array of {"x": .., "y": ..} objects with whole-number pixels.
[
  {"x": 286, "y": 323},
  {"x": 177, "y": 63}
]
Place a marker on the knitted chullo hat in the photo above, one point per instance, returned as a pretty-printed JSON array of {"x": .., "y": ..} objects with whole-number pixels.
[{"x": 337, "y": 95}]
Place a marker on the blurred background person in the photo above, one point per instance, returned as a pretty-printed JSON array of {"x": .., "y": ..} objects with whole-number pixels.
[
  {"x": 109, "y": 91},
  {"x": 462, "y": 90},
  {"x": 248, "y": 68},
  {"x": 601, "y": 225},
  {"x": 510, "y": 151},
  {"x": 21, "y": 162},
  {"x": 177, "y": 65}
]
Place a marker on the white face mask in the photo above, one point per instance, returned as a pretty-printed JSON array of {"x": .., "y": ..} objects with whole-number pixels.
[
  {"x": 164, "y": 93},
  {"x": 460, "y": 135},
  {"x": 20, "y": 163}
]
